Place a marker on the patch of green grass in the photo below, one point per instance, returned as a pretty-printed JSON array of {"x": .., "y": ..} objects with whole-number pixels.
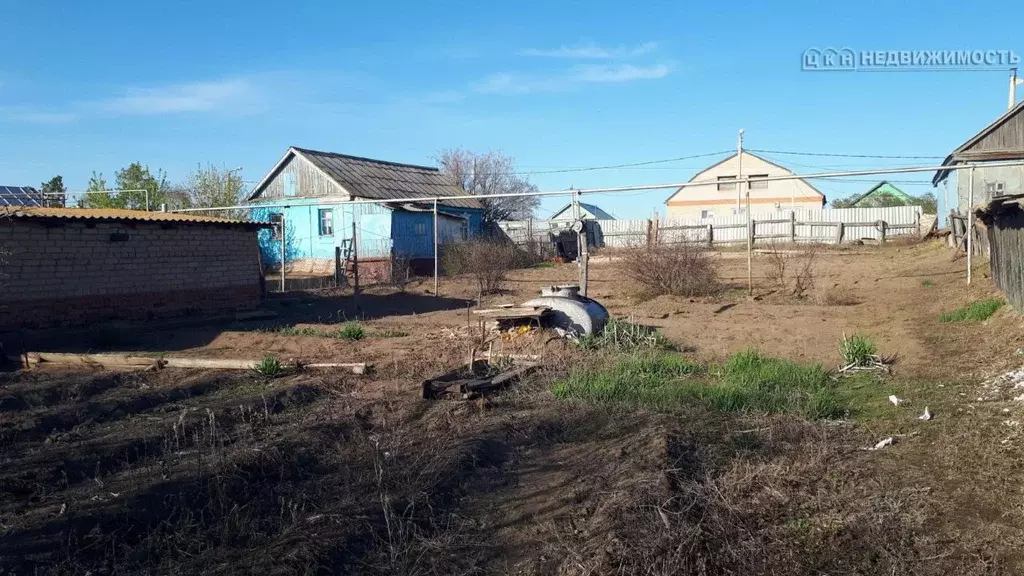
[
  {"x": 348, "y": 331},
  {"x": 626, "y": 336},
  {"x": 544, "y": 264},
  {"x": 748, "y": 382},
  {"x": 857, "y": 350},
  {"x": 388, "y": 334},
  {"x": 352, "y": 331},
  {"x": 296, "y": 331},
  {"x": 269, "y": 366},
  {"x": 927, "y": 283},
  {"x": 654, "y": 380},
  {"x": 975, "y": 312}
]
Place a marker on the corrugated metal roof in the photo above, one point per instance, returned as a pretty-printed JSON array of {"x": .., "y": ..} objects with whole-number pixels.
[
  {"x": 116, "y": 214},
  {"x": 382, "y": 180},
  {"x": 20, "y": 196}
]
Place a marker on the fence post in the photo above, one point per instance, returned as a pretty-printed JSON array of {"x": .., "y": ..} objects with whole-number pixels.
[
  {"x": 282, "y": 251},
  {"x": 337, "y": 266},
  {"x": 355, "y": 263},
  {"x": 792, "y": 227},
  {"x": 881, "y": 227},
  {"x": 839, "y": 233},
  {"x": 647, "y": 231},
  {"x": 711, "y": 236},
  {"x": 654, "y": 232}
]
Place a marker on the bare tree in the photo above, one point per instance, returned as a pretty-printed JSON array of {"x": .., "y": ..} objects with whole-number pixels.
[
  {"x": 211, "y": 187},
  {"x": 489, "y": 173}
]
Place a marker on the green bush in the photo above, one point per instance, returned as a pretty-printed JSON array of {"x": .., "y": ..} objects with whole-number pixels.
[
  {"x": 352, "y": 331},
  {"x": 626, "y": 336},
  {"x": 856, "y": 350},
  {"x": 975, "y": 312},
  {"x": 269, "y": 366}
]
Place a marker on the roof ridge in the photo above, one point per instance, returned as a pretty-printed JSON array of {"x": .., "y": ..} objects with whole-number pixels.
[{"x": 365, "y": 159}]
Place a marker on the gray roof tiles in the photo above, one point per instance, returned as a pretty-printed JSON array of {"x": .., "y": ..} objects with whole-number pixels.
[{"x": 382, "y": 180}]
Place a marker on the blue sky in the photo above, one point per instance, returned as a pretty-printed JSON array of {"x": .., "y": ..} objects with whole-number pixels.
[{"x": 96, "y": 85}]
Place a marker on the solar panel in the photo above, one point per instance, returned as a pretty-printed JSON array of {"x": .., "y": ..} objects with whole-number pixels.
[{"x": 20, "y": 196}]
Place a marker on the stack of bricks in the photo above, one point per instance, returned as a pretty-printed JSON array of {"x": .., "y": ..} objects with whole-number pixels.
[{"x": 76, "y": 271}]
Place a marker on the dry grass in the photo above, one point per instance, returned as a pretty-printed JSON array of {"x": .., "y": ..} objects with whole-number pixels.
[{"x": 837, "y": 296}]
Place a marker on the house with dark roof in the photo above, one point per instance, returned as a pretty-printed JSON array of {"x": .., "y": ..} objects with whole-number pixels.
[
  {"x": 726, "y": 198},
  {"x": 328, "y": 200},
  {"x": 1001, "y": 140},
  {"x": 587, "y": 212}
]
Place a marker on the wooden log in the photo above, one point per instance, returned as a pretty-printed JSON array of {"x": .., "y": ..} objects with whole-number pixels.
[
  {"x": 354, "y": 367},
  {"x": 210, "y": 363},
  {"x": 101, "y": 360}
]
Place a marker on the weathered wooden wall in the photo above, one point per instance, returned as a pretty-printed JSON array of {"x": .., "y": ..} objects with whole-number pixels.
[{"x": 1006, "y": 253}]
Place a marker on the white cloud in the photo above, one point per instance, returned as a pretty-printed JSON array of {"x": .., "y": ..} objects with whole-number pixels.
[
  {"x": 620, "y": 73},
  {"x": 592, "y": 51},
  {"x": 179, "y": 98},
  {"x": 508, "y": 83}
]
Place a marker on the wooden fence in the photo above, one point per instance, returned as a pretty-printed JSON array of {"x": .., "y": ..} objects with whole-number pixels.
[{"x": 831, "y": 226}]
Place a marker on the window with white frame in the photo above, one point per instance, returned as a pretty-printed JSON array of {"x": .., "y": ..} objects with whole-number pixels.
[
  {"x": 995, "y": 188},
  {"x": 707, "y": 214},
  {"x": 754, "y": 184},
  {"x": 726, "y": 183},
  {"x": 326, "y": 222}
]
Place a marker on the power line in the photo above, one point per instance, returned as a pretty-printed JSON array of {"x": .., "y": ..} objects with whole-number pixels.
[
  {"x": 839, "y": 155},
  {"x": 617, "y": 166}
]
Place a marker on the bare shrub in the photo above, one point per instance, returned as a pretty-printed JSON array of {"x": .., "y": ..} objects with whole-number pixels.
[
  {"x": 803, "y": 279},
  {"x": 487, "y": 261},
  {"x": 401, "y": 271},
  {"x": 791, "y": 270},
  {"x": 679, "y": 269}
]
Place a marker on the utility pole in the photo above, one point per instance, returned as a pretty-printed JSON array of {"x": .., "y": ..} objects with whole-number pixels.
[
  {"x": 743, "y": 185},
  {"x": 739, "y": 170},
  {"x": 435, "y": 248},
  {"x": 970, "y": 222},
  {"x": 1014, "y": 82}
]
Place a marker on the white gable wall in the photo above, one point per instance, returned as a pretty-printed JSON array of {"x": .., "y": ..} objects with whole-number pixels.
[{"x": 707, "y": 201}]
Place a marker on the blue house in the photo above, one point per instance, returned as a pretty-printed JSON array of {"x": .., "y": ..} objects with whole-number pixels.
[{"x": 314, "y": 193}]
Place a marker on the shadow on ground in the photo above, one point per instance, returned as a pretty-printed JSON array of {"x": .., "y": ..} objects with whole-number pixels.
[{"x": 197, "y": 330}]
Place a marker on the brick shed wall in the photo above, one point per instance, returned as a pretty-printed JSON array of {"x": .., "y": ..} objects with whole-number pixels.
[{"x": 71, "y": 272}]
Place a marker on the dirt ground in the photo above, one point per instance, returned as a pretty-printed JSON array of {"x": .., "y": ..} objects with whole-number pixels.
[{"x": 321, "y": 472}]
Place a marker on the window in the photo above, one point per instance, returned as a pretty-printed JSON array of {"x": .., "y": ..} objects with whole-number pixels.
[
  {"x": 995, "y": 188},
  {"x": 275, "y": 232},
  {"x": 420, "y": 229},
  {"x": 754, "y": 184},
  {"x": 326, "y": 222},
  {"x": 289, "y": 184},
  {"x": 726, "y": 183},
  {"x": 707, "y": 214}
]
